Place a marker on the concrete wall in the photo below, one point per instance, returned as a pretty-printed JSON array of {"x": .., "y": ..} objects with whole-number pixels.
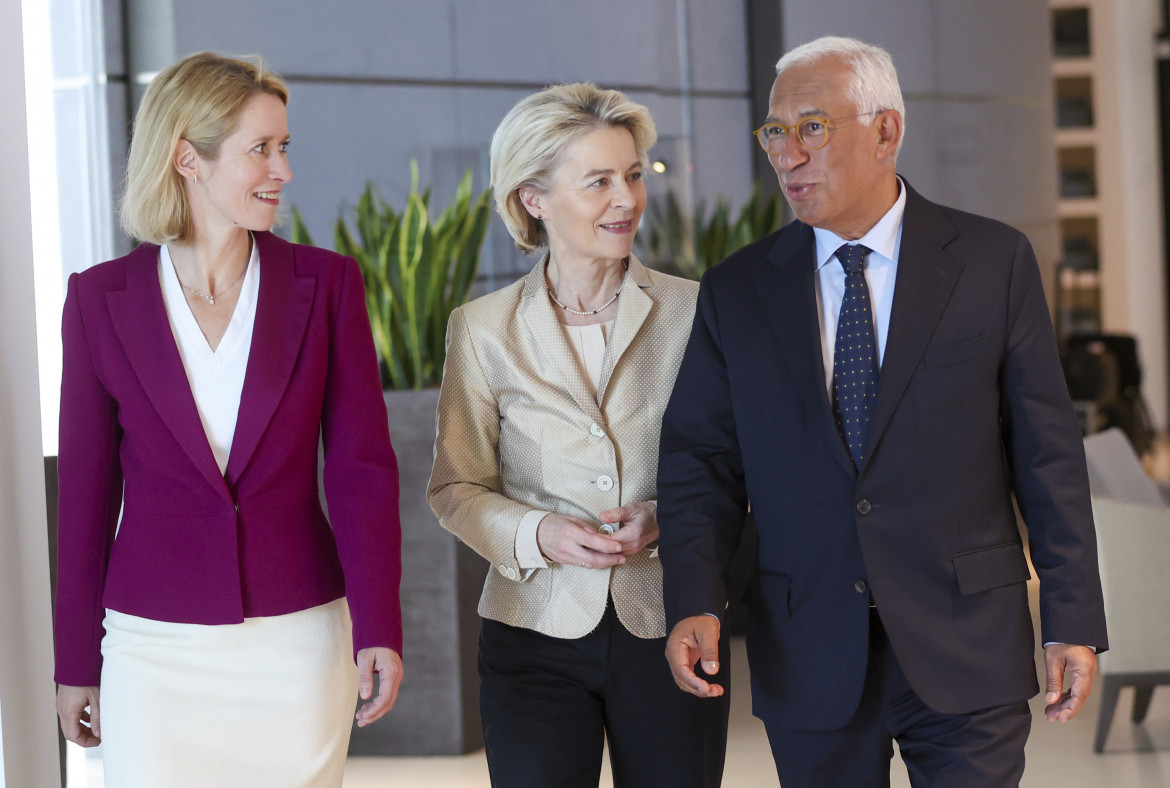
[
  {"x": 977, "y": 79},
  {"x": 377, "y": 83}
]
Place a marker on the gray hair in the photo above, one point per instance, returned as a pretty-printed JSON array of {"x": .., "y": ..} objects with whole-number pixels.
[
  {"x": 874, "y": 86},
  {"x": 528, "y": 144}
]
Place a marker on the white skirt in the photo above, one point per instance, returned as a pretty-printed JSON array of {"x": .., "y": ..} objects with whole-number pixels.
[{"x": 268, "y": 702}]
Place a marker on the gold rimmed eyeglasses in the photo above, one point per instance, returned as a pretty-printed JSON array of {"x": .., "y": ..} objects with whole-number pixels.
[{"x": 812, "y": 132}]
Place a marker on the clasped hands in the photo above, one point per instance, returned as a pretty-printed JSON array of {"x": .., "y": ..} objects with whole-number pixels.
[{"x": 572, "y": 540}]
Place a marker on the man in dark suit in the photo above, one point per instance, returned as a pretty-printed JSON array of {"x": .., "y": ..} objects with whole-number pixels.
[{"x": 878, "y": 406}]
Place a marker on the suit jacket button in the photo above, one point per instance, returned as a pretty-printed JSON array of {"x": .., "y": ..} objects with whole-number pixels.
[
  {"x": 604, "y": 483},
  {"x": 864, "y": 506},
  {"x": 861, "y": 587},
  {"x": 597, "y": 431},
  {"x": 503, "y": 570}
]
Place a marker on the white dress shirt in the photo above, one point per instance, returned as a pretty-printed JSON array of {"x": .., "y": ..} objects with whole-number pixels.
[{"x": 881, "y": 269}]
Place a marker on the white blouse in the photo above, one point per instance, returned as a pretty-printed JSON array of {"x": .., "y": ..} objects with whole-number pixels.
[{"x": 216, "y": 376}]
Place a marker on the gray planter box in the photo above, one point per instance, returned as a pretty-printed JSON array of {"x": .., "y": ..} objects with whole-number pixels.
[{"x": 437, "y": 712}]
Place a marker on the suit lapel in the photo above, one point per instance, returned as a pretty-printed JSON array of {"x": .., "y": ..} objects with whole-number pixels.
[
  {"x": 634, "y": 307},
  {"x": 282, "y": 317},
  {"x": 926, "y": 278},
  {"x": 788, "y": 298},
  {"x": 139, "y": 316},
  {"x": 548, "y": 337}
]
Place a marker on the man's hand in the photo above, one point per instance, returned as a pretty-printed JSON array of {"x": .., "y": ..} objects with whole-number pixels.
[
  {"x": 80, "y": 714},
  {"x": 1079, "y": 663},
  {"x": 388, "y": 665},
  {"x": 695, "y": 639}
]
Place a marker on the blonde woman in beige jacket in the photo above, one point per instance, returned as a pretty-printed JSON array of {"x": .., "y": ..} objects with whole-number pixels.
[{"x": 546, "y": 458}]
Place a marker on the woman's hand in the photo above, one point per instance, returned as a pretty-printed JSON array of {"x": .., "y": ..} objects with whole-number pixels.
[
  {"x": 639, "y": 526},
  {"x": 569, "y": 540},
  {"x": 388, "y": 664},
  {"x": 80, "y": 726}
]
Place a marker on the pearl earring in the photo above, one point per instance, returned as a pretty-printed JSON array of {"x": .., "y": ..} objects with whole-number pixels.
[{"x": 196, "y": 178}]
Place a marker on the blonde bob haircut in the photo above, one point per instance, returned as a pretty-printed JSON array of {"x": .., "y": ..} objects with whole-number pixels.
[
  {"x": 198, "y": 99},
  {"x": 528, "y": 144}
]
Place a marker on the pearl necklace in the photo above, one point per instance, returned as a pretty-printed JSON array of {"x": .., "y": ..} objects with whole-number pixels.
[
  {"x": 211, "y": 298},
  {"x": 591, "y": 312}
]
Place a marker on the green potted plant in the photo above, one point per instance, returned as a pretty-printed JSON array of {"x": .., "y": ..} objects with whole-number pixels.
[
  {"x": 689, "y": 245},
  {"x": 418, "y": 265},
  {"x": 416, "y": 272}
]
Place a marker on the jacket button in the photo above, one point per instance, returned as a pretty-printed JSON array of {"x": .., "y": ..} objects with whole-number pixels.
[
  {"x": 597, "y": 431},
  {"x": 861, "y": 587},
  {"x": 864, "y": 506},
  {"x": 502, "y": 569},
  {"x": 604, "y": 483}
]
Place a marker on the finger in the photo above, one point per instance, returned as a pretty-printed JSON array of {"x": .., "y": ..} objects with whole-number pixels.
[
  {"x": 598, "y": 542},
  {"x": 618, "y": 514},
  {"x": 1082, "y": 685},
  {"x": 365, "y": 676},
  {"x": 1054, "y": 682},
  {"x": 593, "y": 560},
  {"x": 95, "y": 717},
  {"x": 678, "y": 656},
  {"x": 709, "y": 661}
]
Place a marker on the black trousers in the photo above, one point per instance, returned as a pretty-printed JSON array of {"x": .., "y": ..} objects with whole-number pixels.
[
  {"x": 984, "y": 749},
  {"x": 548, "y": 704}
]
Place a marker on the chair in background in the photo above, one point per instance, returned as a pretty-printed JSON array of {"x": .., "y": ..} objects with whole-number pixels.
[
  {"x": 1133, "y": 543},
  {"x": 1115, "y": 471}
]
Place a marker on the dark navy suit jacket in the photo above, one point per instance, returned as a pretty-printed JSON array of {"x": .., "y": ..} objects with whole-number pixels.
[
  {"x": 971, "y": 408},
  {"x": 194, "y": 545}
]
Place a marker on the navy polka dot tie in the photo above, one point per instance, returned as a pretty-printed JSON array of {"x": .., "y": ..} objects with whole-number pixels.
[{"x": 855, "y": 365}]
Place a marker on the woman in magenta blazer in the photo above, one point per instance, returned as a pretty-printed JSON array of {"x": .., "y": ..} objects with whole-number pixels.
[{"x": 201, "y": 611}]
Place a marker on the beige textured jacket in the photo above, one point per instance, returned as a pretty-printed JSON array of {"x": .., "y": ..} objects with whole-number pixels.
[{"x": 518, "y": 429}]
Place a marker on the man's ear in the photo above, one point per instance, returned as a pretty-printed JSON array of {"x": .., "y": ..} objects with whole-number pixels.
[{"x": 889, "y": 130}]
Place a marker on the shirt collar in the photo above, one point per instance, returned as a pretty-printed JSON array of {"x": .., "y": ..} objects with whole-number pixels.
[{"x": 884, "y": 238}]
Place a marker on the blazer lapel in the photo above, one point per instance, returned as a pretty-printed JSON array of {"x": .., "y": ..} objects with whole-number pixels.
[
  {"x": 536, "y": 311},
  {"x": 282, "y": 317},
  {"x": 787, "y": 293},
  {"x": 634, "y": 307},
  {"x": 926, "y": 278},
  {"x": 139, "y": 316}
]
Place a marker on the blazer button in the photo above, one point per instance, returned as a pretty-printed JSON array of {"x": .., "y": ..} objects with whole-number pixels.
[
  {"x": 864, "y": 506},
  {"x": 502, "y": 569},
  {"x": 597, "y": 431},
  {"x": 861, "y": 587},
  {"x": 604, "y": 483}
]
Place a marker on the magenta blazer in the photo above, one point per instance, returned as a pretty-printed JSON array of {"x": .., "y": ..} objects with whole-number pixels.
[{"x": 193, "y": 545}]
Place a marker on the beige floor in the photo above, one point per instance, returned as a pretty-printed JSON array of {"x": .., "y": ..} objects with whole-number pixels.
[
  {"x": 1058, "y": 755},
  {"x": 1136, "y": 756}
]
